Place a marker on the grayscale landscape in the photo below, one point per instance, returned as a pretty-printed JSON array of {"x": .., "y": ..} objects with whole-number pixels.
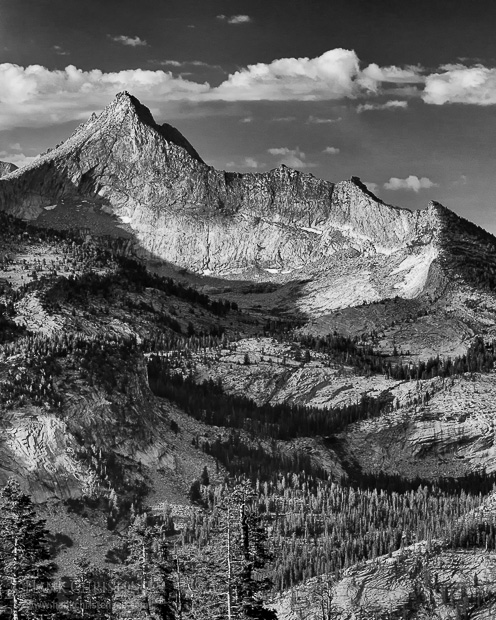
[{"x": 256, "y": 392}]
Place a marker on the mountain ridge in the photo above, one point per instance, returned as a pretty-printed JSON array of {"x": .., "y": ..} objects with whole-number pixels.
[
  {"x": 177, "y": 181},
  {"x": 122, "y": 174}
]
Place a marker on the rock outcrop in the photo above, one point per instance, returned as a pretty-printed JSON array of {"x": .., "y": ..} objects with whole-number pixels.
[
  {"x": 418, "y": 582},
  {"x": 6, "y": 168}
]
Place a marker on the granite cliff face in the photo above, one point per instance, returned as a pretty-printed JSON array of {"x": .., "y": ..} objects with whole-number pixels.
[{"x": 184, "y": 211}]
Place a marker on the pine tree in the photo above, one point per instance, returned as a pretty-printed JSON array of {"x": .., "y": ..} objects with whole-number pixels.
[
  {"x": 25, "y": 567},
  {"x": 149, "y": 568}
]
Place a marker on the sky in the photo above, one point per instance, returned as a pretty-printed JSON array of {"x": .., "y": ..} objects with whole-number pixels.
[{"x": 401, "y": 94}]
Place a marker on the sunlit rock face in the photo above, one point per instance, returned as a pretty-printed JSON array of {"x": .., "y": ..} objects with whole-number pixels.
[
  {"x": 184, "y": 211},
  {"x": 6, "y": 168}
]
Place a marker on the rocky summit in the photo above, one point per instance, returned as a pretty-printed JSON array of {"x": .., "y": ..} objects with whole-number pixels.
[{"x": 165, "y": 325}]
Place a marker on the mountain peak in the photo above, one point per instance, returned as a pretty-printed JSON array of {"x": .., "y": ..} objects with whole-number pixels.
[{"x": 127, "y": 102}]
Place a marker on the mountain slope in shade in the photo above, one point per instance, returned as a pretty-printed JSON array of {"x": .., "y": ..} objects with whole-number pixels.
[{"x": 6, "y": 168}]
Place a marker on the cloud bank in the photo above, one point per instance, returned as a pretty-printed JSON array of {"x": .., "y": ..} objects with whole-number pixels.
[
  {"x": 460, "y": 84},
  {"x": 38, "y": 96}
]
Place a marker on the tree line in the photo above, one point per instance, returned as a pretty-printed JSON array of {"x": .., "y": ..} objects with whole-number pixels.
[{"x": 207, "y": 401}]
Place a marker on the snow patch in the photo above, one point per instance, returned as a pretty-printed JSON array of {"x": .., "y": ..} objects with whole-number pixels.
[
  {"x": 50, "y": 207},
  {"x": 416, "y": 270},
  {"x": 268, "y": 270},
  {"x": 312, "y": 230},
  {"x": 125, "y": 219}
]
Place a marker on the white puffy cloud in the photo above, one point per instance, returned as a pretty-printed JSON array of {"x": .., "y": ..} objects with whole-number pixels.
[
  {"x": 389, "y": 105},
  {"x": 460, "y": 84},
  {"x": 331, "y": 150},
  {"x": 130, "y": 41},
  {"x": 246, "y": 119},
  {"x": 35, "y": 96},
  {"x": 412, "y": 183},
  {"x": 330, "y": 76},
  {"x": 294, "y": 158},
  {"x": 235, "y": 19},
  {"x": 284, "y": 119}
]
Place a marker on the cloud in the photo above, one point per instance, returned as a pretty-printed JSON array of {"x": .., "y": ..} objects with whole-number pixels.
[
  {"x": 250, "y": 162},
  {"x": 235, "y": 19},
  {"x": 60, "y": 50},
  {"x": 331, "y": 150},
  {"x": 247, "y": 162},
  {"x": 389, "y": 105},
  {"x": 412, "y": 183},
  {"x": 329, "y": 76},
  {"x": 459, "y": 84},
  {"x": 373, "y": 76},
  {"x": 462, "y": 180},
  {"x": 284, "y": 119},
  {"x": 247, "y": 119},
  {"x": 294, "y": 158},
  {"x": 185, "y": 63},
  {"x": 19, "y": 159},
  {"x": 35, "y": 96},
  {"x": 130, "y": 41},
  {"x": 315, "y": 120}
]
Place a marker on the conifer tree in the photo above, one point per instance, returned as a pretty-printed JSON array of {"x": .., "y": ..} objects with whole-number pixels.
[
  {"x": 226, "y": 577},
  {"x": 148, "y": 567},
  {"x": 25, "y": 567}
]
